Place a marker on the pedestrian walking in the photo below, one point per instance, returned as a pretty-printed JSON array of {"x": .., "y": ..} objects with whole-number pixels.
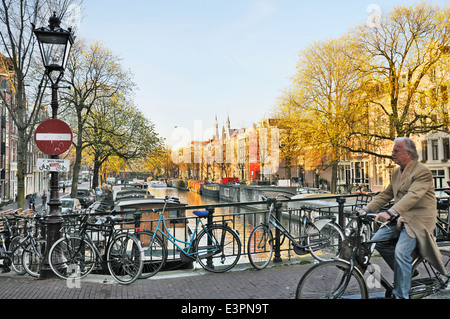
[
  {"x": 44, "y": 199},
  {"x": 64, "y": 187},
  {"x": 28, "y": 198},
  {"x": 31, "y": 200}
]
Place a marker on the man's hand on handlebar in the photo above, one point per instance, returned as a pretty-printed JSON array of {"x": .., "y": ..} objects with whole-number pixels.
[{"x": 383, "y": 217}]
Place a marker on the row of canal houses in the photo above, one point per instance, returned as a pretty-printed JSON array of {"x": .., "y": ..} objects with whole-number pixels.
[{"x": 355, "y": 172}]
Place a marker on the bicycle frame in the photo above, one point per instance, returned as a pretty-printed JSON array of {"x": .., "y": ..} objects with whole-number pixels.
[
  {"x": 443, "y": 226},
  {"x": 304, "y": 221},
  {"x": 86, "y": 237},
  {"x": 175, "y": 241}
]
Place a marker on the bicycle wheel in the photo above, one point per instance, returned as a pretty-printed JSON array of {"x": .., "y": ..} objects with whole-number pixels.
[
  {"x": 155, "y": 253},
  {"x": 426, "y": 282},
  {"x": 124, "y": 259},
  {"x": 260, "y": 247},
  {"x": 72, "y": 257},
  {"x": 16, "y": 255},
  {"x": 218, "y": 249},
  {"x": 32, "y": 257},
  {"x": 327, "y": 281},
  {"x": 446, "y": 259},
  {"x": 324, "y": 243}
]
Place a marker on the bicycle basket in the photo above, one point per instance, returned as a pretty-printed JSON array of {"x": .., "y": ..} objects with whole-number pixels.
[{"x": 363, "y": 252}]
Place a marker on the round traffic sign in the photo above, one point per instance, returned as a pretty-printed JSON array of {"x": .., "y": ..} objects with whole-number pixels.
[{"x": 53, "y": 137}]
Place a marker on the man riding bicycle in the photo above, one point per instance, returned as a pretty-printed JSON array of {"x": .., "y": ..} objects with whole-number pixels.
[{"x": 411, "y": 220}]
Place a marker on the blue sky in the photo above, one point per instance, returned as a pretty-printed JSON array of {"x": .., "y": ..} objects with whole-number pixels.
[{"x": 195, "y": 59}]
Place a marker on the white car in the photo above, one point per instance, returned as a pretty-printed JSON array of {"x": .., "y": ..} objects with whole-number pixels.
[{"x": 70, "y": 206}]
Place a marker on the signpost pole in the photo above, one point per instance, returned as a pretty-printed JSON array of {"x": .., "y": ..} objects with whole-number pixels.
[
  {"x": 54, "y": 220},
  {"x": 53, "y": 40}
]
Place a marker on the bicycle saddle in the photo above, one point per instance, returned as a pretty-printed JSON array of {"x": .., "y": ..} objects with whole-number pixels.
[
  {"x": 113, "y": 218},
  {"x": 200, "y": 213}
]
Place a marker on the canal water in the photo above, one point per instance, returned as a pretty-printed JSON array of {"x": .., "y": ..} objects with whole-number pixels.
[
  {"x": 244, "y": 222},
  {"x": 195, "y": 199}
]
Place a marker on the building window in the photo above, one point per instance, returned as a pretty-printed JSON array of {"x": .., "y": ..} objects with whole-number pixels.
[
  {"x": 378, "y": 171},
  {"x": 434, "y": 149},
  {"x": 425, "y": 150},
  {"x": 438, "y": 178},
  {"x": 446, "y": 146}
]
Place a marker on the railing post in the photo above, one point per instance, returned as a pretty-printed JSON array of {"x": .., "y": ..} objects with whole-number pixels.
[
  {"x": 277, "y": 246},
  {"x": 341, "y": 201},
  {"x": 137, "y": 219},
  {"x": 210, "y": 209}
]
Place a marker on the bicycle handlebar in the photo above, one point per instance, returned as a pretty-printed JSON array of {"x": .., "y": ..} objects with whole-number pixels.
[
  {"x": 166, "y": 199},
  {"x": 365, "y": 216},
  {"x": 265, "y": 198}
]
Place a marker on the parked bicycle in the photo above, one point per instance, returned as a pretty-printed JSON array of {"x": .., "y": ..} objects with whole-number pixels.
[
  {"x": 216, "y": 247},
  {"x": 442, "y": 230},
  {"x": 342, "y": 278},
  {"x": 76, "y": 253},
  {"x": 25, "y": 250},
  {"x": 5, "y": 254},
  {"x": 28, "y": 249},
  {"x": 321, "y": 238}
]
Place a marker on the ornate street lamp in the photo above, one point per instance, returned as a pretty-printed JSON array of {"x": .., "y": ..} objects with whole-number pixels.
[{"x": 55, "y": 44}]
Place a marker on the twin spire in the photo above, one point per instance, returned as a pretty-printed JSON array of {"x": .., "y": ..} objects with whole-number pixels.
[{"x": 226, "y": 130}]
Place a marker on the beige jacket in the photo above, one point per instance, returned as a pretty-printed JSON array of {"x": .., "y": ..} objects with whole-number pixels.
[{"x": 415, "y": 201}]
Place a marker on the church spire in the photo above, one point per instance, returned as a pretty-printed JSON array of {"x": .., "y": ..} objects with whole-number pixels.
[{"x": 216, "y": 129}]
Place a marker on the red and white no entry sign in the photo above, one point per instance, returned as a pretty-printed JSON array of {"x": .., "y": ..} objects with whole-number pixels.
[{"x": 53, "y": 137}]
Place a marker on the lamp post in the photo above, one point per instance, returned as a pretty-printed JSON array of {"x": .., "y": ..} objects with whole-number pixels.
[{"x": 55, "y": 44}]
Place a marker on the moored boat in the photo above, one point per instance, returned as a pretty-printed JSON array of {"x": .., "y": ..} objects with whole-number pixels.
[
  {"x": 210, "y": 189},
  {"x": 158, "y": 184},
  {"x": 195, "y": 186}
]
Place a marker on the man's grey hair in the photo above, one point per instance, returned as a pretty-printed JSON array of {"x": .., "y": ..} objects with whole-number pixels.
[{"x": 410, "y": 146}]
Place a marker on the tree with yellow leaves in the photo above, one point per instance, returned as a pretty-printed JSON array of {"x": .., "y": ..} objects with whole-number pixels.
[
  {"x": 400, "y": 57},
  {"x": 323, "y": 101}
]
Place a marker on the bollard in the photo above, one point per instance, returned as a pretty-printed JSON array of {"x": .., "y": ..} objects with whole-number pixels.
[
  {"x": 137, "y": 219},
  {"x": 277, "y": 246},
  {"x": 341, "y": 201},
  {"x": 210, "y": 209}
]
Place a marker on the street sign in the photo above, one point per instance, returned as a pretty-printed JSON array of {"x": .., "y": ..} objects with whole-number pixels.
[
  {"x": 53, "y": 165},
  {"x": 53, "y": 137}
]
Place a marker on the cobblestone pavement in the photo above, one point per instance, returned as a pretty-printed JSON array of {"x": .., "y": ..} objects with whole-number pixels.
[
  {"x": 277, "y": 282},
  {"x": 180, "y": 293}
]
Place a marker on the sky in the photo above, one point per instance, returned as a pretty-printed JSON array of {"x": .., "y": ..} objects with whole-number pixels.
[{"x": 193, "y": 60}]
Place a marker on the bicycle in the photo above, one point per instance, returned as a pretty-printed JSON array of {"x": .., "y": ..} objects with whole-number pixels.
[
  {"x": 5, "y": 254},
  {"x": 216, "y": 247},
  {"x": 76, "y": 254},
  {"x": 320, "y": 238},
  {"x": 27, "y": 250},
  {"x": 442, "y": 230},
  {"x": 15, "y": 245},
  {"x": 342, "y": 278}
]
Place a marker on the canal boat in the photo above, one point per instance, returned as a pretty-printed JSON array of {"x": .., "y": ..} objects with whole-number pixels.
[
  {"x": 210, "y": 189},
  {"x": 195, "y": 186},
  {"x": 158, "y": 184}
]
